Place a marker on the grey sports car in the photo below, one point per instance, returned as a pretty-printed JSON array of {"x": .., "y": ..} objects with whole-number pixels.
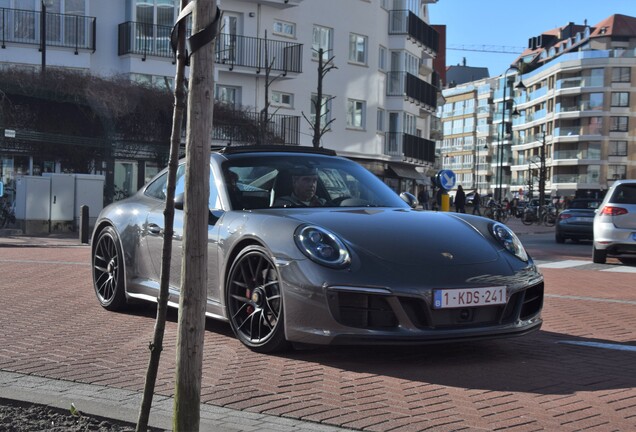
[{"x": 351, "y": 264}]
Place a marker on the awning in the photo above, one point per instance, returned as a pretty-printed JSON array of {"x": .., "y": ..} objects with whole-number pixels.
[{"x": 406, "y": 171}]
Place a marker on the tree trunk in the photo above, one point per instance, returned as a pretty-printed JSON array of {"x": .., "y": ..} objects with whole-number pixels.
[
  {"x": 194, "y": 264},
  {"x": 156, "y": 346}
]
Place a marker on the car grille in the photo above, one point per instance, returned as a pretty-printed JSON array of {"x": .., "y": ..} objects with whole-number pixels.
[
  {"x": 363, "y": 310},
  {"x": 379, "y": 311}
]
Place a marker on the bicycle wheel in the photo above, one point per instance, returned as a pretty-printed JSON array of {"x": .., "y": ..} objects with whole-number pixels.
[
  {"x": 549, "y": 219},
  {"x": 527, "y": 218},
  {"x": 503, "y": 216}
]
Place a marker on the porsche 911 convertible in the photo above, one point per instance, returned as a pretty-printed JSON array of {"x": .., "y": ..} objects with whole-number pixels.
[{"x": 349, "y": 263}]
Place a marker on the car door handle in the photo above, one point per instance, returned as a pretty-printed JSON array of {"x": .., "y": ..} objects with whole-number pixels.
[{"x": 155, "y": 229}]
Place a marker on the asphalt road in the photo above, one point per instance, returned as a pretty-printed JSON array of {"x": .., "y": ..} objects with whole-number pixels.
[{"x": 578, "y": 372}]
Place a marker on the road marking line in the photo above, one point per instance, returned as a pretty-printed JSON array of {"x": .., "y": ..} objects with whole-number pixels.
[
  {"x": 564, "y": 264},
  {"x": 617, "y": 347},
  {"x": 602, "y": 300},
  {"x": 621, "y": 269}
]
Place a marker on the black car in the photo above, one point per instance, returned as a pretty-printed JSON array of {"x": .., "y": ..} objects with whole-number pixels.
[{"x": 577, "y": 222}]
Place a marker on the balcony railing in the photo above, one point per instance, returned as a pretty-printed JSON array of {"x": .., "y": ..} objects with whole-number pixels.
[
  {"x": 575, "y": 178},
  {"x": 62, "y": 30},
  {"x": 588, "y": 154},
  {"x": 409, "y": 146},
  {"x": 408, "y": 85},
  {"x": 281, "y": 129},
  {"x": 234, "y": 50},
  {"x": 406, "y": 22}
]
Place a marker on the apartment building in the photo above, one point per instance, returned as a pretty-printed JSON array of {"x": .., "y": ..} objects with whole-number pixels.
[
  {"x": 382, "y": 96},
  {"x": 572, "y": 116}
]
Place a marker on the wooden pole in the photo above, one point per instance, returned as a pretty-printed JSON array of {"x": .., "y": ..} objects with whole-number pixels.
[{"x": 195, "y": 254}]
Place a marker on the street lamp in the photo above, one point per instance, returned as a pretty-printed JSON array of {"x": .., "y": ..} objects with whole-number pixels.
[
  {"x": 43, "y": 4},
  {"x": 542, "y": 172},
  {"x": 502, "y": 133}
]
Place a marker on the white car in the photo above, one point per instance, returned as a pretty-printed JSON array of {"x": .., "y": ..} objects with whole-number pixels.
[{"x": 615, "y": 223}]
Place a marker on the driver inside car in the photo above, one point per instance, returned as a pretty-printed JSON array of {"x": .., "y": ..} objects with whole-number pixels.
[{"x": 304, "y": 184}]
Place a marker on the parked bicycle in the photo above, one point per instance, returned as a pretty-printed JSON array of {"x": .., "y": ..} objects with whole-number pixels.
[
  {"x": 7, "y": 214},
  {"x": 496, "y": 212},
  {"x": 546, "y": 215}
]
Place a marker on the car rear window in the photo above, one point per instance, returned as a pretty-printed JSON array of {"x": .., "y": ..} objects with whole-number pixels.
[
  {"x": 624, "y": 194},
  {"x": 583, "y": 204}
]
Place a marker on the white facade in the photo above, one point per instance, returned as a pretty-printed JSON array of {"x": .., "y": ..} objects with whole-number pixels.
[{"x": 379, "y": 119}]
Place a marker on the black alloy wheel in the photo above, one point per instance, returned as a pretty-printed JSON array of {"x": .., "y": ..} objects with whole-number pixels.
[
  {"x": 254, "y": 301},
  {"x": 108, "y": 270}
]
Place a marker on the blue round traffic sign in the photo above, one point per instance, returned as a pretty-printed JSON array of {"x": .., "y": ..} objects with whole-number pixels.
[{"x": 446, "y": 179}]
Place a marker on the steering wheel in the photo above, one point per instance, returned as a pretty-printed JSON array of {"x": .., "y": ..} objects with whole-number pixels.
[{"x": 337, "y": 202}]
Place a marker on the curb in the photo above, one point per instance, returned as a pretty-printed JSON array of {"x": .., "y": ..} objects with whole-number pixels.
[{"x": 123, "y": 405}]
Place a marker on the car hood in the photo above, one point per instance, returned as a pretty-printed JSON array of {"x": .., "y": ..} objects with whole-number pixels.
[{"x": 405, "y": 237}]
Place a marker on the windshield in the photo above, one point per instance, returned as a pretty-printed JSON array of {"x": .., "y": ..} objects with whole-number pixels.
[{"x": 257, "y": 181}]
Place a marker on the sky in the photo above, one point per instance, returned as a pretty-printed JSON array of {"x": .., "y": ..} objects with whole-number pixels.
[{"x": 510, "y": 23}]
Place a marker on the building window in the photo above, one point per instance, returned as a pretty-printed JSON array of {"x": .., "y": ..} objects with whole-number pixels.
[
  {"x": 616, "y": 172},
  {"x": 228, "y": 95},
  {"x": 382, "y": 58},
  {"x": 357, "y": 48},
  {"x": 619, "y": 124},
  {"x": 620, "y": 99},
  {"x": 322, "y": 39},
  {"x": 325, "y": 110},
  {"x": 621, "y": 74},
  {"x": 380, "y": 126},
  {"x": 618, "y": 148},
  {"x": 284, "y": 28},
  {"x": 160, "y": 82},
  {"x": 282, "y": 99},
  {"x": 355, "y": 114}
]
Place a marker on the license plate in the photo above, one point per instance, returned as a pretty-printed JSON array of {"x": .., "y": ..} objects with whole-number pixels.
[
  {"x": 583, "y": 219},
  {"x": 469, "y": 297}
]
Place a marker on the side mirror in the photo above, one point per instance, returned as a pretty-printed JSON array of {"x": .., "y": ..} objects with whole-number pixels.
[
  {"x": 409, "y": 198},
  {"x": 178, "y": 202}
]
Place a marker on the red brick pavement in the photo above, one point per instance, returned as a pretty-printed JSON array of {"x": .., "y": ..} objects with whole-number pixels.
[{"x": 52, "y": 326}]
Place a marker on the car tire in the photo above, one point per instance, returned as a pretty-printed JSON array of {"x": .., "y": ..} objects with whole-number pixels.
[
  {"x": 108, "y": 270},
  {"x": 254, "y": 301},
  {"x": 559, "y": 238},
  {"x": 599, "y": 256}
]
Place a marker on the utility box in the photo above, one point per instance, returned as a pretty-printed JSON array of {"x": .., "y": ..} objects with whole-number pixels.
[
  {"x": 62, "y": 202},
  {"x": 89, "y": 191},
  {"x": 33, "y": 204}
]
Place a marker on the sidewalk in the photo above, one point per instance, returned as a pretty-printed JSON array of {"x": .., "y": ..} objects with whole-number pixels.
[{"x": 123, "y": 405}]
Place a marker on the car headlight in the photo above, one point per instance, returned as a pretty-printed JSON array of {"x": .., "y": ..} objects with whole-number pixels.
[
  {"x": 322, "y": 246},
  {"x": 509, "y": 240}
]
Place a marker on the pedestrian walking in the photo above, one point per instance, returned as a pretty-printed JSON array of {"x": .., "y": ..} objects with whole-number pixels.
[
  {"x": 476, "y": 203},
  {"x": 460, "y": 200}
]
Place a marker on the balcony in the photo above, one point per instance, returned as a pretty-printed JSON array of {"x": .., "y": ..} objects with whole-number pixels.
[
  {"x": 281, "y": 129},
  {"x": 409, "y": 147},
  {"x": 595, "y": 130},
  {"x": 404, "y": 22},
  {"x": 233, "y": 50},
  {"x": 412, "y": 88},
  {"x": 65, "y": 31}
]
